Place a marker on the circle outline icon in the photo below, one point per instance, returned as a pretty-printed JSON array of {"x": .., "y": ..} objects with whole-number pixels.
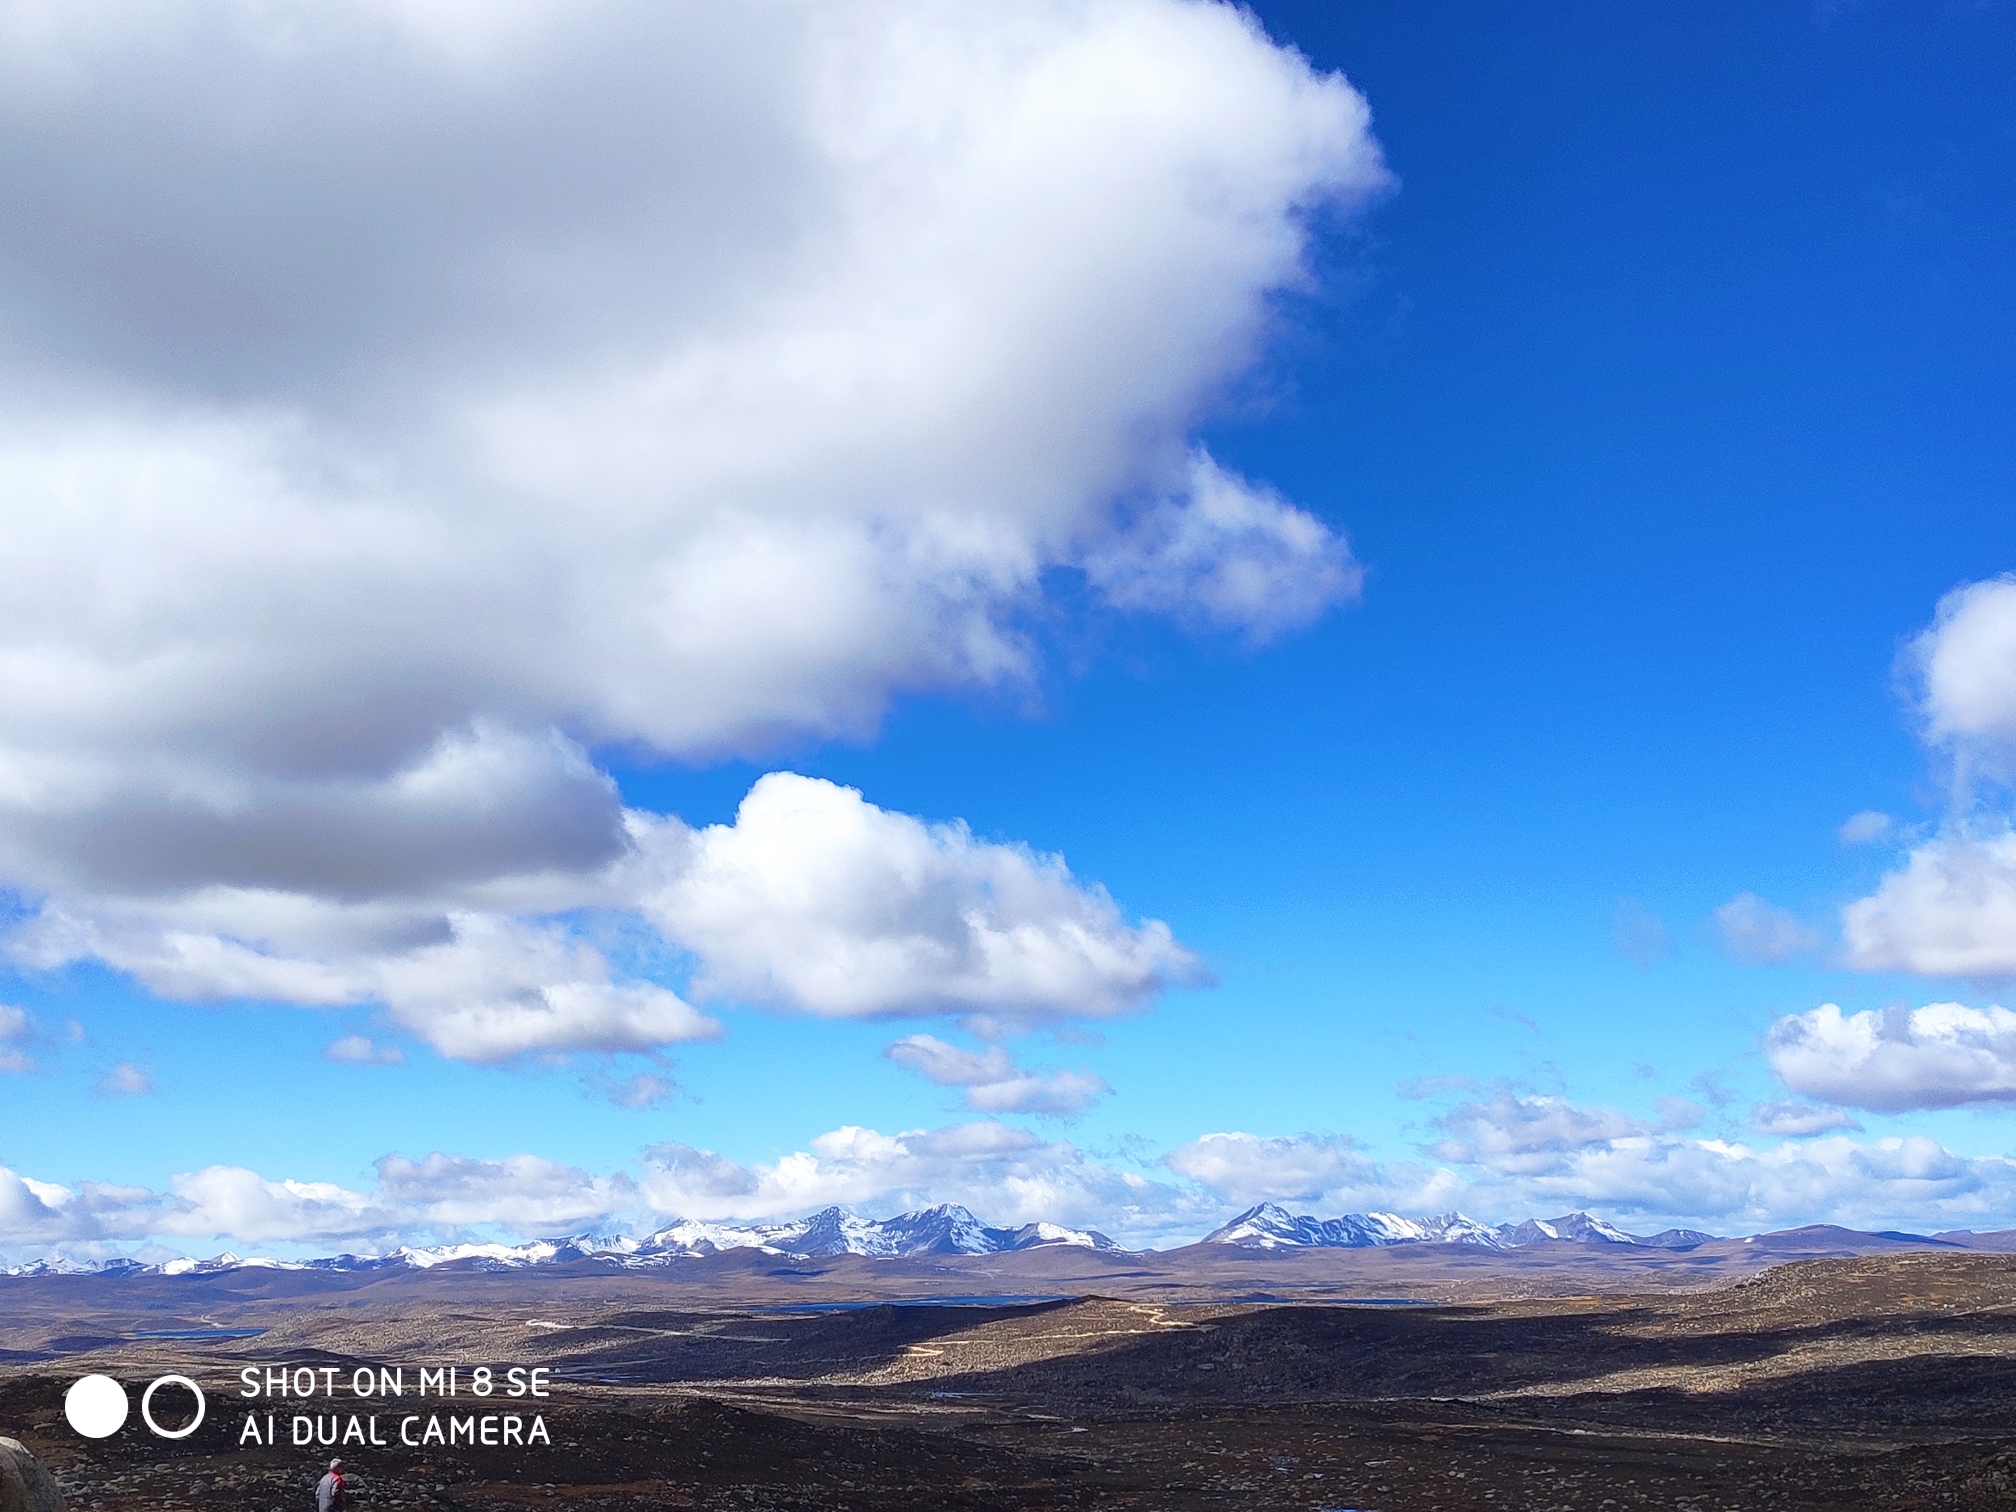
[
  {"x": 147, "y": 1406},
  {"x": 96, "y": 1406}
]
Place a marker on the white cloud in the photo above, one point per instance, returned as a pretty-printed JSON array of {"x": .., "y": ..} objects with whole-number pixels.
[
  {"x": 1524, "y": 1157},
  {"x": 126, "y": 1080},
  {"x": 993, "y": 1082},
  {"x": 1951, "y": 911},
  {"x": 563, "y": 1017},
  {"x": 1304, "y": 1167},
  {"x": 362, "y": 1050},
  {"x": 524, "y": 1193},
  {"x": 1762, "y": 933},
  {"x": 1545, "y": 1154},
  {"x": 1005, "y": 1175},
  {"x": 1938, "y": 1056},
  {"x": 814, "y": 899},
  {"x": 1510, "y": 1133},
  {"x": 1865, "y": 827},
  {"x": 1966, "y": 664},
  {"x": 438, "y": 1197},
  {"x": 232, "y": 1202},
  {"x": 682, "y": 379},
  {"x": 686, "y": 1181},
  {"x": 1507, "y": 1156},
  {"x": 45, "y": 1215},
  {"x": 494, "y": 989},
  {"x": 1552, "y": 1157},
  {"x": 819, "y": 900},
  {"x": 1008, "y": 1176},
  {"x": 1878, "y": 1183}
]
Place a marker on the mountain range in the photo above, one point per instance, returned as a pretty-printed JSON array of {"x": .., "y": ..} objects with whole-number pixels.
[
  {"x": 947, "y": 1229},
  {"x": 1269, "y": 1226}
]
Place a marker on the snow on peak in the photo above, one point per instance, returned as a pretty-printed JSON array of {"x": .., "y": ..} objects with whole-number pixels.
[
  {"x": 1270, "y": 1226},
  {"x": 947, "y": 1229}
]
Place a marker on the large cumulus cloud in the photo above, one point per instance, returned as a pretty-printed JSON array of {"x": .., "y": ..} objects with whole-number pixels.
[
  {"x": 820, "y": 900},
  {"x": 814, "y": 900},
  {"x": 401, "y": 402}
]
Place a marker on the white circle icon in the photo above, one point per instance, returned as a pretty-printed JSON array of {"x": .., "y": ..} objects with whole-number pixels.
[
  {"x": 96, "y": 1406},
  {"x": 147, "y": 1405}
]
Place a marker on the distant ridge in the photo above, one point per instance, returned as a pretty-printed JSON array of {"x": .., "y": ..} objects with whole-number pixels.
[
  {"x": 951, "y": 1230},
  {"x": 1270, "y": 1226},
  {"x": 947, "y": 1229}
]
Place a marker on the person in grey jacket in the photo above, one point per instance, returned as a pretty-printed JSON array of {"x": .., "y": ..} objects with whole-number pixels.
[{"x": 329, "y": 1495}]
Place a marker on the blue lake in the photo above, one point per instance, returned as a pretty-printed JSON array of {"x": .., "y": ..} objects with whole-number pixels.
[
  {"x": 1003, "y": 1299},
  {"x": 200, "y": 1333}
]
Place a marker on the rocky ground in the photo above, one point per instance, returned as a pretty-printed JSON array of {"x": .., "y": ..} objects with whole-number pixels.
[{"x": 1883, "y": 1382}]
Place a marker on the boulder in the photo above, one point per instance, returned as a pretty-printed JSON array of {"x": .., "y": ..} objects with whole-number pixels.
[{"x": 24, "y": 1485}]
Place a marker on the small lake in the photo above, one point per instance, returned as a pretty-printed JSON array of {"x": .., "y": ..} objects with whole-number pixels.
[
  {"x": 988, "y": 1299},
  {"x": 200, "y": 1333}
]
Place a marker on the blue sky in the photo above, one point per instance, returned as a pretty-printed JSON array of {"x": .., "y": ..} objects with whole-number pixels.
[{"x": 1660, "y": 385}]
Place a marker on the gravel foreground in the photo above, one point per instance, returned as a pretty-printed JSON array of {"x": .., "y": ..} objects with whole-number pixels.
[{"x": 1882, "y": 1383}]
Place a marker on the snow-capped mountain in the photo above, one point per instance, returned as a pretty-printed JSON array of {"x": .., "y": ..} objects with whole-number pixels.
[
  {"x": 61, "y": 1267},
  {"x": 944, "y": 1230},
  {"x": 1270, "y": 1226},
  {"x": 1580, "y": 1227},
  {"x": 219, "y": 1263},
  {"x": 948, "y": 1229}
]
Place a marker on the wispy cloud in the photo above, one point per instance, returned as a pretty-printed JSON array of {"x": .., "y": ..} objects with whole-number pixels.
[
  {"x": 126, "y": 1080},
  {"x": 639, "y": 1091},
  {"x": 993, "y": 1082},
  {"x": 362, "y": 1050},
  {"x": 1762, "y": 933}
]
